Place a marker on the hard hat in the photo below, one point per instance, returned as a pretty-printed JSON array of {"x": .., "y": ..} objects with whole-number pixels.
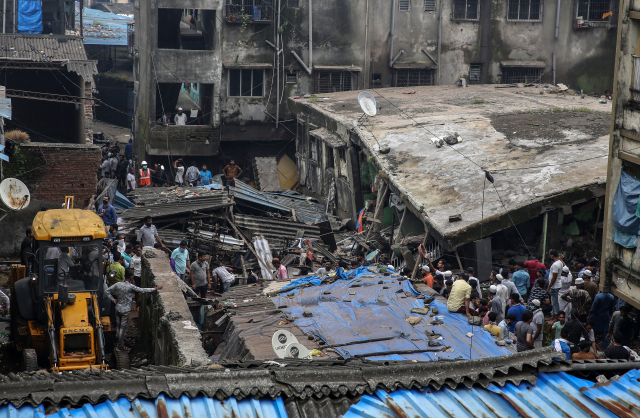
[{"x": 144, "y": 163}]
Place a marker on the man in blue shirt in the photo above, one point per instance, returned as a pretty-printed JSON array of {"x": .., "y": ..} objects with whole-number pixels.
[
  {"x": 107, "y": 212},
  {"x": 521, "y": 278},
  {"x": 600, "y": 314},
  {"x": 205, "y": 176},
  {"x": 181, "y": 257},
  {"x": 128, "y": 150},
  {"x": 517, "y": 309}
]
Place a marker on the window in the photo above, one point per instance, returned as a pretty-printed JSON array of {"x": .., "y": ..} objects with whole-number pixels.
[
  {"x": 596, "y": 11},
  {"x": 332, "y": 81},
  {"x": 376, "y": 79},
  {"x": 330, "y": 163},
  {"x": 293, "y": 3},
  {"x": 246, "y": 83},
  {"x": 313, "y": 148},
  {"x": 475, "y": 72},
  {"x": 466, "y": 9},
  {"x": 525, "y": 10},
  {"x": 409, "y": 78},
  {"x": 404, "y": 5},
  {"x": 292, "y": 77},
  {"x": 429, "y": 5},
  {"x": 249, "y": 11},
  {"x": 514, "y": 75}
]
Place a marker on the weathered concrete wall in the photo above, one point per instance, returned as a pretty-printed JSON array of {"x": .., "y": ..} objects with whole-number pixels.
[
  {"x": 201, "y": 140},
  {"x": 168, "y": 330}
]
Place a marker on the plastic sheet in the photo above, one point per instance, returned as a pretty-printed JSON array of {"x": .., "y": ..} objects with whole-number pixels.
[
  {"x": 29, "y": 16},
  {"x": 625, "y": 203},
  {"x": 379, "y": 310},
  {"x": 624, "y": 239}
]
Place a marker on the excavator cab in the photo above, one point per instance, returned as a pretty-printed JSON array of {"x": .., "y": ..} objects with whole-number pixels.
[{"x": 59, "y": 307}]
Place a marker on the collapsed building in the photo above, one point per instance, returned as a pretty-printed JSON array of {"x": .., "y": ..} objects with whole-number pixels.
[{"x": 521, "y": 160}]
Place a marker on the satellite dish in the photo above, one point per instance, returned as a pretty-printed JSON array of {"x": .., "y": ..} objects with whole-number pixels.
[
  {"x": 14, "y": 194},
  {"x": 280, "y": 340},
  {"x": 299, "y": 351},
  {"x": 367, "y": 103}
]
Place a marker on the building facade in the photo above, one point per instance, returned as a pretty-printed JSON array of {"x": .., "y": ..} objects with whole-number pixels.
[
  {"x": 620, "y": 264},
  {"x": 248, "y": 56}
]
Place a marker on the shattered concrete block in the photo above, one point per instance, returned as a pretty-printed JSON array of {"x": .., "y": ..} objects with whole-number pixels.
[
  {"x": 307, "y": 314},
  {"x": 421, "y": 311},
  {"x": 430, "y": 299},
  {"x": 414, "y": 320},
  {"x": 475, "y": 320}
]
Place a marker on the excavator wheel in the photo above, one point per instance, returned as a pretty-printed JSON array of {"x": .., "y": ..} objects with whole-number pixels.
[
  {"x": 29, "y": 360},
  {"x": 122, "y": 359}
]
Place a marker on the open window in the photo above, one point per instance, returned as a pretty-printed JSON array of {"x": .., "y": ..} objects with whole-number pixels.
[
  {"x": 190, "y": 29},
  {"x": 595, "y": 13},
  {"x": 525, "y": 10},
  {"x": 195, "y": 100}
]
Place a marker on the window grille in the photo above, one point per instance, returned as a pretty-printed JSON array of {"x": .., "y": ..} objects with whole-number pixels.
[
  {"x": 404, "y": 5},
  {"x": 514, "y": 75},
  {"x": 525, "y": 10},
  {"x": 332, "y": 81},
  {"x": 475, "y": 72},
  {"x": 429, "y": 5},
  {"x": 292, "y": 77},
  {"x": 466, "y": 10},
  {"x": 249, "y": 83},
  {"x": 410, "y": 78},
  {"x": 254, "y": 10}
]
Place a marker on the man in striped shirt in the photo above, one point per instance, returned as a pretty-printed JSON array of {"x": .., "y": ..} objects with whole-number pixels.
[{"x": 225, "y": 274}]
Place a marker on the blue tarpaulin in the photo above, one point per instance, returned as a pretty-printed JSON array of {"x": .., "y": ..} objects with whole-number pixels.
[
  {"x": 625, "y": 205},
  {"x": 29, "y": 16},
  {"x": 379, "y": 310}
]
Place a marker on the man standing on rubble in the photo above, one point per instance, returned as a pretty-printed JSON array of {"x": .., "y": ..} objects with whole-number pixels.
[
  {"x": 555, "y": 282},
  {"x": 281, "y": 271},
  {"x": 145, "y": 175},
  {"x": 107, "y": 212},
  {"x": 200, "y": 276},
  {"x": 124, "y": 297},
  {"x": 192, "y": 177},
  {"x": 181, "y": 257},
  {"x": 231, "y": 173},
  {"x": 148, "y": 234},
  {"x": 225, "y": 274}
]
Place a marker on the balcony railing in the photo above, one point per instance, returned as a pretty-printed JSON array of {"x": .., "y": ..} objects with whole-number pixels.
[{"x": 249, "y": 11}]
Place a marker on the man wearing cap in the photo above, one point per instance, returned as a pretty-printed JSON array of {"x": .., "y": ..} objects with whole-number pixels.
[
  {"x": 501, "y": 290},
  {"x": 281, "y": 271},
  {"x": 579, "y": 298},
  {"x": 145, "y": 175},
  {"x": 537, "y": 322},
  {"x": 589, "y": 285},
  {"x": 181, "y": 257},
  {"x": 180, "y": 118},
  {"x": 428, "y": 278},
  {"x": 495, "y": 305},
  {"x": 131, "y": 180}
]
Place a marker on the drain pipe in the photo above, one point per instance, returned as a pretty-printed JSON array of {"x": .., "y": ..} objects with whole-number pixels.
[
  {"x": 393, "y": 23},
  {"x": 556, "y": 38},
  {"x": 310, "y": 34},
  {"x": 278, "y": 69},
  {"x": 554, "y": 68},
  {"x": 440, "y": 38},
  {"x": 557, "y": 18}
]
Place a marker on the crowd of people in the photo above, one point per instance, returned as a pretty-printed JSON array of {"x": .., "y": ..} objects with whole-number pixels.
[{"x": 528, "y": 300}]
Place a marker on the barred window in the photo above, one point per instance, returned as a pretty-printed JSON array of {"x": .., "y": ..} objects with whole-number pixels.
[
  {"x": 525, "y": 10},
  {"x": 332, "y": 81},
  {"x": 597, "y": 10},
  {"x": 404, "y": 5},
  {"x": 246, "y": 83},
  {"x": 514, "y": 75},
  {"x": 475, "y": 72},
  {"x": 429, "y": 5},
  {"x": 292, "y": 77},
  {"x": 466, "y": 10},
  {"x": 410, "y": 78}
]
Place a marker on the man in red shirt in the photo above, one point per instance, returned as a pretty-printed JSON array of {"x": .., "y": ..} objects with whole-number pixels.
[{"x": 533, "y": 265}]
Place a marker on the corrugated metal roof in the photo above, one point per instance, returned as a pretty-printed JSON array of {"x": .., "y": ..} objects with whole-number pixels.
[
  {"x": 555, "y": 395},
  {"x": 162, "y": 407},
  {"x": 85, "y": 69},
  {"x": 42, "y": 48},
  {"x": 306, "y": 209},
  {"x": 620, "y": 395},
  {"x": 276, "y": 231}
]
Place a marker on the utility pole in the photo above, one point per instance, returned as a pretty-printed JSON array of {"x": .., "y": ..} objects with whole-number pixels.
[{"x": 5, "y": 112}]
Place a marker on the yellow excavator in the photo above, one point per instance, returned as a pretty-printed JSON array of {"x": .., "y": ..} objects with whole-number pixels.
[{"x": 59, "y": 310}]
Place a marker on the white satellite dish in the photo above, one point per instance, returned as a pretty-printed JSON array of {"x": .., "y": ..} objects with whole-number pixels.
[
  {"x": 14, "y": 194},
  {"x": 299, "y": 351},
  {"x": 367, "y": 103},
  {"x": 280, "y": 340}
]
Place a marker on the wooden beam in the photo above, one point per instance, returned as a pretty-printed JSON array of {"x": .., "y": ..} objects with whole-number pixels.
[
  {"x": 634, "y": 15},
  {"x": 629, "y": 157},
  {"x": 419, "y": 261},
  {"x": 630, "y": 135}
]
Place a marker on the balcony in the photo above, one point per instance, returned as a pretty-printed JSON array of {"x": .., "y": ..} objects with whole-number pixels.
[{"x": 249, "y": 11}]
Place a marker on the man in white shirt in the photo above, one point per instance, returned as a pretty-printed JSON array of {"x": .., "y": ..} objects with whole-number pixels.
[
  {"x": 131, "y": 180},
  {"x": 180, "y": 118},
  {"x": 225, "y": 274},
  {"x": 555, "y": 283}
]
